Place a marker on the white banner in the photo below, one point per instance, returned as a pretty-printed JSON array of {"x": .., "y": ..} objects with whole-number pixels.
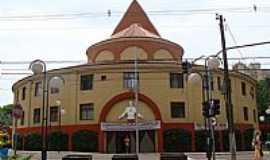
[
  {"x": 219, "y": 126},
  {"x": 148, "y": 125}
]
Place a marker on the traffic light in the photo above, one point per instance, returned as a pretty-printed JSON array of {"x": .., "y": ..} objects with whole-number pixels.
[
  {"x": 186, "y": 66},
  {"x": 216, "y": 103},
  {"x": 205, "y": 109}
]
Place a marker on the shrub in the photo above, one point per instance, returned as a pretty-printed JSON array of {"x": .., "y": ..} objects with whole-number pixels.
[
  {"x": 33, "y": 142},
  {"x": 238, "y": 139},
  {"x": 19, "y": 144},
  {"x": 85, "y": 141},
  {"x": 248, "y": 136},
  {"x": 58, "y": 141},
  {"x": 200, "y": 139},
  {"x": 177, "y": 140}
]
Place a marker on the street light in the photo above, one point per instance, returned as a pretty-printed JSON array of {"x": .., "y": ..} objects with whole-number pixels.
[
  {"x": 61, "y": 111},
  {"x": 266, "y": 113},
  {"x": 211, "y": 63},
  {"x": 38, "y": 66}
]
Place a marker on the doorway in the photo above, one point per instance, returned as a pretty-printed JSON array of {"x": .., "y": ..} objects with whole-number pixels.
[{"x": 116, "y": 141}]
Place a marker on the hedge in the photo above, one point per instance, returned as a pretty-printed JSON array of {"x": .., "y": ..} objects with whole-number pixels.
[
  {"x": 19, "y": 144},
  {"x": 238, "y": 139},
  {"x": 200, "y": 140},
  {"x": 58, "y": 141},
  {"x": 248, "y": 136},
  {"x": 33, "y": 142},
  {"x": 177, "y": 140},
  {"x": 85, "y": 141}
]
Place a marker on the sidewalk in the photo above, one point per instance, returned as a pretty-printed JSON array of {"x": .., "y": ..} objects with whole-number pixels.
[{"x": 53, "y": 155}]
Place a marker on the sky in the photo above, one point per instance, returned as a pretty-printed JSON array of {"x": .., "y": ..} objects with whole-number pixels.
[{"x": 62, "y": 30}]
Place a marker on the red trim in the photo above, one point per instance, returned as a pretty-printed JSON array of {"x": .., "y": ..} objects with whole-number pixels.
[
  {"x": 160, "y": 139},
  {"x": 127, "y": 95},
  {"x": 221, "y": 148},
  {"x": 264, "y": 126}
]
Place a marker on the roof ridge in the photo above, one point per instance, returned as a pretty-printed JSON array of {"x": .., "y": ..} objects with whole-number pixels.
[{"x": 135, "y": 14}]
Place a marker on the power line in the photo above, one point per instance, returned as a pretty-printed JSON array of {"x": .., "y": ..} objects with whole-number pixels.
[
  {"x": 234, "y": 39},
  {"x": 67, "y": 16}
]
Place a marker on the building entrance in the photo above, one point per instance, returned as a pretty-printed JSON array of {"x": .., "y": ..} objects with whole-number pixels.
[{"x": 125, "y": 141}]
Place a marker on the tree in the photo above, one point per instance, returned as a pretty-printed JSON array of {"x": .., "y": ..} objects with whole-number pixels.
[
  {"x": 263, "y": 95},
  {"x": 6, "y": 115}
]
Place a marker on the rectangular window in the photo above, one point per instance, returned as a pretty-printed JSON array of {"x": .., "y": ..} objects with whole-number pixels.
[
  {"x": 243, "y": 88},
  {"x": 54, "y": 90},
  {"x": 212, "y": 85},
  {"x": 254, "y": 115},
  {"x": 130, "y": 80},
  {"x": 38, "y": 88},
  {"x": 178, "y": 110},
  {"x": 17, "y": 95},
  {"x": 245, "y": 110},
  {"x": 22, "y": 119},
  {"x": 87, "y": 82},
  {"x": 36, "y": 116},
  {"x": 23, "y": 93},
  {"x": 86, "y": 111},
  {"x": 54, "y": 114},
  {"x": 176, "y": 80},
  {"x": 219, "y": 83},
  {"x": 252, "y": 94}
]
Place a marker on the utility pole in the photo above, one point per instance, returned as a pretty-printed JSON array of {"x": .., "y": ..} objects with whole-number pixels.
[
  {"x": 136, "y": 102},
  {"x": 227, "y": 91}
]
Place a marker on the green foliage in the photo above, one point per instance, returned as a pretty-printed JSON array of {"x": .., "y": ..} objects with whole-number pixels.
[
  {"x": 19, "y": 144},
  {"x": 177, "y": 140},
  {"x": 33, "y": 142},
  {"x": 18, "y": 158},
  {"x": 6, "y": 115},
  {"x": 85, "y": 141},
  {"x": 238, "y": 139},
  {"x": 200, "y": 139},
  {"x": 248, "y": 136},
  {"x": 263, "y": 94},
  {"x": 58, "y": 141}
]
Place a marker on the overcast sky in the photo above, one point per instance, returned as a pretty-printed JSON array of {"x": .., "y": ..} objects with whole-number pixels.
[{"x": 64, "y": 29}]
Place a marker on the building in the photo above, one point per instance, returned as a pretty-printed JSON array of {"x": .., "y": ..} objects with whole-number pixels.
[
  {"x": 253, "y": 69},
  {"x": 96, "y": 95}
]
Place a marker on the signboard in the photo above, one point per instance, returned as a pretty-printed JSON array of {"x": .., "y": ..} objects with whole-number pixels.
[
  {"x": 218, "y": 126},
  {"x": 17, "y": 111},
  {"x": 148, "y": 125}
]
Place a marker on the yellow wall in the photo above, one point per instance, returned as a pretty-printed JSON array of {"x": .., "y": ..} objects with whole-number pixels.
[
  {"x": 154, "y": 83},
  {"x": 131, "y": 52}
]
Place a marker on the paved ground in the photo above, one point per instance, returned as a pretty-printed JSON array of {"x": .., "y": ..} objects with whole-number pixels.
[{"x": 150, "y": 156}]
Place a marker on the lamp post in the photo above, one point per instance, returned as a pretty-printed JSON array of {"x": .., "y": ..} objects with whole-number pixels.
[
  {"x": 266, "y": 113},
  {"x": 61, "y": 111},
  {"x": 38, "y": 67},
  {"x": 211, "y": 62},
  {"x": 136, "y": 92}
]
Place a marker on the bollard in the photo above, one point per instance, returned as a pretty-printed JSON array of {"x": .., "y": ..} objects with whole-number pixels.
[{"x": 173, "y": 156}]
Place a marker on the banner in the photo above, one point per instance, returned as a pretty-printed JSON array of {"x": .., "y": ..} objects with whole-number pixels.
[
  {"x": 218, "y": 126},
  {"x": 148, "y": 125}
]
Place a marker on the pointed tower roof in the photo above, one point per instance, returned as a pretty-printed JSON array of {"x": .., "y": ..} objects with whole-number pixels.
[{"x": 135, "y": 15}]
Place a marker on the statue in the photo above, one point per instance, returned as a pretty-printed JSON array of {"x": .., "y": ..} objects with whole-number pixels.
[{"x": 130, "y": 112}]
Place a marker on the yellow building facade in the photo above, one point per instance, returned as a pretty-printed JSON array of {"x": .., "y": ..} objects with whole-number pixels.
[{"x": 96, "y": 94}]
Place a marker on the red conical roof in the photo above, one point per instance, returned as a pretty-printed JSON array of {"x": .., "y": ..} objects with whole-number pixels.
[
  {"x": 135, "y": 14},
  {"x": 134, "y": 30}
]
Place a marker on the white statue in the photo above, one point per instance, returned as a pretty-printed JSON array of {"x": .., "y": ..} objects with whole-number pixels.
[{"x": 130, "y": 112}]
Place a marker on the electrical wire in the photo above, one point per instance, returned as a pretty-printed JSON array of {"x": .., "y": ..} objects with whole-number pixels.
[
  {"x": 68, "y": 16},
  {"x": 234, "y": 40}
]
